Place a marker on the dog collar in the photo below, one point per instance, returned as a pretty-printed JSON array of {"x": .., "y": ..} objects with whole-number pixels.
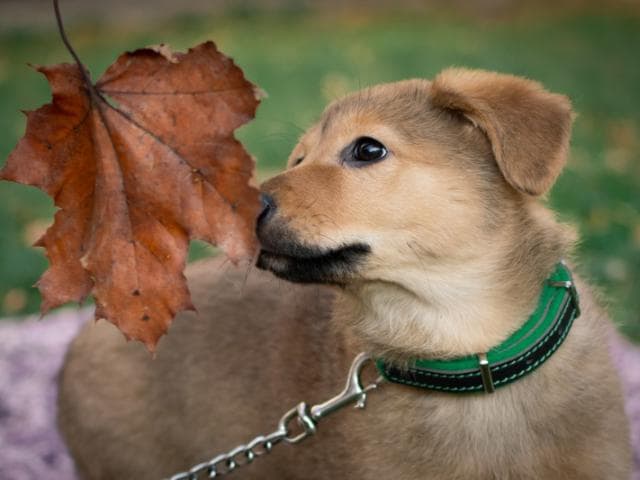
[{"x": 524, "y": 351}]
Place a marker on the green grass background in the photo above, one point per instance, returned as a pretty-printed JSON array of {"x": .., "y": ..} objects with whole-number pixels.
[{"x": 304, "y": 60}]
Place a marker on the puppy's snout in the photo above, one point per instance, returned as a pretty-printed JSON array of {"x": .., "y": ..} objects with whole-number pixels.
[{"x": 268, "y": 208}]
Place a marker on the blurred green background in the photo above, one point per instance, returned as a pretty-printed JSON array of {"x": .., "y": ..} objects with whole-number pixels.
[{"x": 306, "y": 55}]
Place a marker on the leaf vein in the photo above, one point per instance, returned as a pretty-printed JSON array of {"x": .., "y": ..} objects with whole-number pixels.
[{"x": 194, "y": 92}]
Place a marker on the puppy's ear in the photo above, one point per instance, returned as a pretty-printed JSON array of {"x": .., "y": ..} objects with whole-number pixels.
[{"x": 528, "y": 127}]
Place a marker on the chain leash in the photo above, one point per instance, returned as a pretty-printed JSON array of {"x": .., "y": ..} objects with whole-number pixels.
[{"x": 306, "y": 420}]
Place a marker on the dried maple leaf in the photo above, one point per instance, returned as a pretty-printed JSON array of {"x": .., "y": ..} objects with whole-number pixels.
[{"x": 138, "y": 164}]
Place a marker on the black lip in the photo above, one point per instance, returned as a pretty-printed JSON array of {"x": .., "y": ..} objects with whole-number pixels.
[{"x": 305, "y": 264}]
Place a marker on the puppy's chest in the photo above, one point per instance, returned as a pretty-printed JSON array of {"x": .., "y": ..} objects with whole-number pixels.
[{"x": 453, "y": 435}]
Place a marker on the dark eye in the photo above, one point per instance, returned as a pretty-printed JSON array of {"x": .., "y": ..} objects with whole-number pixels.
[
  {"x": 297, "y": 161},
  {"x": 367, "y": 149}
]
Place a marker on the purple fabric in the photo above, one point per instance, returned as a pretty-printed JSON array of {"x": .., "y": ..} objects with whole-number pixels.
[
  {"x": 31, "y": 353},
  {"x": 32, "y": 350},
  {"x": 627, "y": 358}
]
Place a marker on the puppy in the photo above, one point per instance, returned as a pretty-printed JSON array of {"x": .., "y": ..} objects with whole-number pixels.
[{"x": 413, "y": 210}]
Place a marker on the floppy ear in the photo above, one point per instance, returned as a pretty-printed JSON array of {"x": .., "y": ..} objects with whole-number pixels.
[{"x": 528, "y": 127}]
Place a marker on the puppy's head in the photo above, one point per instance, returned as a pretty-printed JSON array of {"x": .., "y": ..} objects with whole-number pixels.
[{"x": 411, "y": 175}]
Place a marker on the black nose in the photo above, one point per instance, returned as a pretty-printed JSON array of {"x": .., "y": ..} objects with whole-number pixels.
[{"x": 268, "y": 207}]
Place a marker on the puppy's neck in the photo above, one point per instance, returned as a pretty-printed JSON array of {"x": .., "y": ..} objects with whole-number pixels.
[{"x": 456, "y": 308}]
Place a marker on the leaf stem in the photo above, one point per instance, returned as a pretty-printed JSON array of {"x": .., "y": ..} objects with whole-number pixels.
[{"x": 67, "y": 44}]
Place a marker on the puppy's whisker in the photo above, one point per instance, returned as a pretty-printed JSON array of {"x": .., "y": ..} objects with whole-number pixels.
[{"x": 249, "y": 269}]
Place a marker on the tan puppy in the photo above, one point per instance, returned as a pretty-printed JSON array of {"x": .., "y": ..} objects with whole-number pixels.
[{"x": 416, "y": 204}]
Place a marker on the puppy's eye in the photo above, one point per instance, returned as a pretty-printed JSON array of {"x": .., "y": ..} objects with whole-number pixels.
[
  {"x": 297, "y": 161},
  {"x": 367, "y": 149}
]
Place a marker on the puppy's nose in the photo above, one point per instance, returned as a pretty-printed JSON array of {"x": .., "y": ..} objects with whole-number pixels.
[{"x": 268, "y": 208}]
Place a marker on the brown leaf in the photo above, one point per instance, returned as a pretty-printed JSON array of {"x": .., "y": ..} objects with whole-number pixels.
[{"x": 139, "y": 164}]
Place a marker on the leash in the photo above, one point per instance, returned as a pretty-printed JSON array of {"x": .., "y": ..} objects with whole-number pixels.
[{"x": 305, "y": 418}]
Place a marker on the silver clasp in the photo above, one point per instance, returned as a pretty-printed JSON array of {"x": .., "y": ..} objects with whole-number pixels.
[
  {"x": 307, "y": 418},
  {"x": 353, "y": 390}
]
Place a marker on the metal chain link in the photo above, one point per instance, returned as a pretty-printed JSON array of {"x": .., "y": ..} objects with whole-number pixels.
[{"x": 305, "y": 418}]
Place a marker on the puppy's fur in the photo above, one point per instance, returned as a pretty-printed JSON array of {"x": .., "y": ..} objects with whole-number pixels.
[{"x": 437, "y": 251}]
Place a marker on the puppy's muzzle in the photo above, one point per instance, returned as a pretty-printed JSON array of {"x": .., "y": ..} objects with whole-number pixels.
[{"x": 288, "y": 256}]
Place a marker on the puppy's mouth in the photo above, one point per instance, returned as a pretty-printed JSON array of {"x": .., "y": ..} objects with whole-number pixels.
[{"x": 309, "y": 264}]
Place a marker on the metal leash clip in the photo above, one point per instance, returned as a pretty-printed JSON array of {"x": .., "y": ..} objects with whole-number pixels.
[
  {"x": 306, "y": 418},
  {"x": 353, "y": 390}
]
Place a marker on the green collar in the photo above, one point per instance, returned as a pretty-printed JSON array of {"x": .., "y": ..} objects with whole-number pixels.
[{"x": 524, "y": 351}]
